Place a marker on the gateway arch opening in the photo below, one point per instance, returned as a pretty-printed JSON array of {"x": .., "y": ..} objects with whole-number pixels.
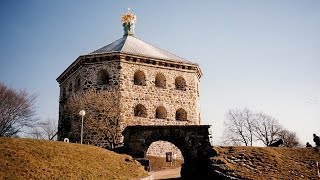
[
  {"x": 163, "y": 155},
  {"x": 192, "y": 140}
]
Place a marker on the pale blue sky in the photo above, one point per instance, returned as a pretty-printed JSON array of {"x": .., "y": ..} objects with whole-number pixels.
[{"x": 264, "y": 55}]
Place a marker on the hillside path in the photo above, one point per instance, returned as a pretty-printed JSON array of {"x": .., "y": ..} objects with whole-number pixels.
[{"x": 167, "y": 174}]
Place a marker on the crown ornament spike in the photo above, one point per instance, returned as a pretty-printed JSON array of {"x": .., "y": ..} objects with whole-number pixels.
[{"x": 128, "y": 20}]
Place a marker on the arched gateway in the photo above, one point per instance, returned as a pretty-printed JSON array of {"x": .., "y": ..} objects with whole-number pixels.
[{"x": 193, "y": 142}]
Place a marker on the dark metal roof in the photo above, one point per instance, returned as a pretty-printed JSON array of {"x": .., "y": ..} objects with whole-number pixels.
[{"x": 135, "y": 46}]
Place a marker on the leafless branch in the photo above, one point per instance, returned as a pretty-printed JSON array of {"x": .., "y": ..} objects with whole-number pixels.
[
  {"x": 17, "y": 110},
  {"x": 101, "y": 122}
]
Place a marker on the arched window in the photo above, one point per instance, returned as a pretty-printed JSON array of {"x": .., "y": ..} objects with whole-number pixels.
[
  {"x": 139, "y": 78},
  {"x": 103, "y": 77},
  {"x": 70, "y": 87},
  {"x": 160, "y": 81},
  {"x": 161, "y": 112},
  {"x": 180, "y": 83},
  {"x": 78, "y": 83},
  {"x": 181, "y": 115},
  {"x": 140, "y": 111}
]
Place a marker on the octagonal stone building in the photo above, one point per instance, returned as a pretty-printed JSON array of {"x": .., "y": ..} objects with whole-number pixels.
[{"x": 156, "y": 87}]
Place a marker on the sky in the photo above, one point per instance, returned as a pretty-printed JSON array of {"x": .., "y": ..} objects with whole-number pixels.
[{"x": 263, "y": 55}]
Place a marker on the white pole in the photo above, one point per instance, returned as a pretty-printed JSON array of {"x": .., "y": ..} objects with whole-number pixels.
[
  {"x": 81, "y": 129},
  {"x": 82, "y": 113}
]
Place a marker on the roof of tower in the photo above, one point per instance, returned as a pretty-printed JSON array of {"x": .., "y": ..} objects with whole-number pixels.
[{"x": 131, "y": 45}]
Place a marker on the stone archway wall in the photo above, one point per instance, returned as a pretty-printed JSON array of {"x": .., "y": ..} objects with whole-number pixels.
[
  {"x": 192, "y": 140},
  {"x": 176, "y": 137},
  {"x": 159, "y": 149}
]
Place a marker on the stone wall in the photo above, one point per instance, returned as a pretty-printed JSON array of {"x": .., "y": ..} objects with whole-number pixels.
[
  {"x": 88, "y": 80},
  {"x": 121, "y": 78},
  {"x": 159, "y": 148},
  {"x": 152, "y": 97},
  {"x": 88, "y": 77}
]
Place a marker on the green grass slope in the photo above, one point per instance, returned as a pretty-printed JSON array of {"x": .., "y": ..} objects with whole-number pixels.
[{"x": 39, "y": 159}]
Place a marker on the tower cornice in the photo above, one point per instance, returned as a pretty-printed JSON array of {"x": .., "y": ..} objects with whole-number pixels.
[{"x": 126, "y": 57}]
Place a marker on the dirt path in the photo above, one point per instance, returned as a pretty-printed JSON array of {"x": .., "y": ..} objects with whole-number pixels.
[{"x": 167, "y": 174}]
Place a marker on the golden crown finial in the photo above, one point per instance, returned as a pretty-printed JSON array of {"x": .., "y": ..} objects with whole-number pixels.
[{"x": 128, "y": 17}]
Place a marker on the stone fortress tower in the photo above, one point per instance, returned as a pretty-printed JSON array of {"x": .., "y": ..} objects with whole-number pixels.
[{"x": 155, "y": 86}]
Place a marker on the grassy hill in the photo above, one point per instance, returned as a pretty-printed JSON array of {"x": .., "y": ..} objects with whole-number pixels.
[
  {"x": 35, "y": 159},
  {"x": 266, "y": 162}
]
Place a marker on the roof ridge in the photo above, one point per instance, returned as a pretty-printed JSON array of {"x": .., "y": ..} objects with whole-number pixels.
[
  {"x": 123, "y": 45},
  {"x": 136, "y": 46},
  {"x": 163, "y": 50},
  {"x": 113, "y": 43}
]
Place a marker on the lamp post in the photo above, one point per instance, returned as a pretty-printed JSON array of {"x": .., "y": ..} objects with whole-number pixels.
[{"x": 82, "y": 113}]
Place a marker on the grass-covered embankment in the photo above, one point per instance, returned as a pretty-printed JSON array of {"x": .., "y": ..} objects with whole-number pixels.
[{"x": 40, "y": 159}]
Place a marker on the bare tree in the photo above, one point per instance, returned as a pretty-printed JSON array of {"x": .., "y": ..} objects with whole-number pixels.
[
  {"x": 49, "y": 128},
  {"x": 290, "y": 138},
  {"x": 36, "y": 133},
  {"x": 239, "y": 127},
  {"x": 266, "y": 128},
  {"x": 106, "y": 127},
  {"x": 101, "y": 122},
  {"x": 231, "y": 139},
  {"x": 46, "y": 129},
  {"x": 17, "y": 110},
  {"x": 244, "y": 127}
]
